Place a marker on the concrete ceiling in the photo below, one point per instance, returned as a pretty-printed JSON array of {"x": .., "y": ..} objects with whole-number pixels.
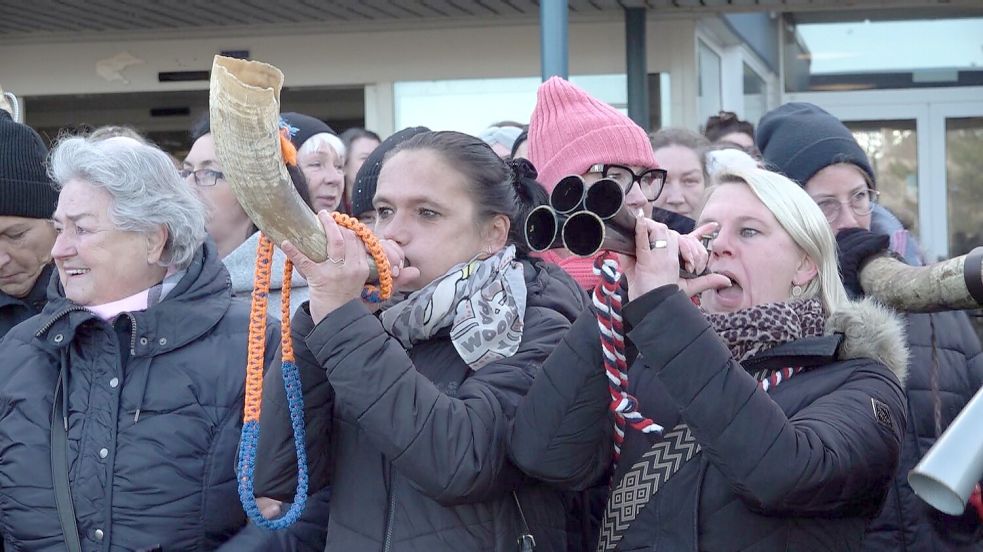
[{"x": 19, "y": 18}]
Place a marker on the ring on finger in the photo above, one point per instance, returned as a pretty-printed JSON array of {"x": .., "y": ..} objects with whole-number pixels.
[
  {"x": 660, "y": 244},
  {"x": 339, "y": 262}
]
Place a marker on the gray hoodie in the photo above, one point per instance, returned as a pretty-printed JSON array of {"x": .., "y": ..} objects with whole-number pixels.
[{"x": 241, "y": 264}]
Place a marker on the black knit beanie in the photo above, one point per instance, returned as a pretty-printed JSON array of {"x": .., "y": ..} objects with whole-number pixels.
[
  {"x": 25, "y": 189},
  {"x": 304, "y": 126},
  {"x": 800, "y": 139},
  {"x": 368, "y": 175}
]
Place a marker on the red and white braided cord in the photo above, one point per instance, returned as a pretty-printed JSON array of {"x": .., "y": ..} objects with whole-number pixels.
[{"x": 607, "y": 303}]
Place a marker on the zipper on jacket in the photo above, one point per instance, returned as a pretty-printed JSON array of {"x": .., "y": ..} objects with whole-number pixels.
[
  {"x": 133, "y": 336},
  {"x": 391, "y": 516},
  {"x": 53, "y": 319}
]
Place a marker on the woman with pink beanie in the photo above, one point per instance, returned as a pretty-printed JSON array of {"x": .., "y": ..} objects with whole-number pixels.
[{"x": 574, "y": 133}]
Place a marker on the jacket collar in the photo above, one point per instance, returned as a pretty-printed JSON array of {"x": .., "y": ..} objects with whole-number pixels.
[
  {"x": 36, "y": 298},
  {"x": 858, "y": 329},
  {"x": 200, "y": 299},
  {"x": 807, "y": 352}
]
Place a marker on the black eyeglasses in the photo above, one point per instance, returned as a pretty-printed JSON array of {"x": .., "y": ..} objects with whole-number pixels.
[
  {"x": 203, "y": 177},
  {"x": 861, "y": 203},
  {"x": 650, "y": 181}
]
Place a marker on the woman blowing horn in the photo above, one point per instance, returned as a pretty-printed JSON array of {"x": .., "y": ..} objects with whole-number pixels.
[
  {"x": 769, "y": 419},
  {"x": 419, "y": 396}
]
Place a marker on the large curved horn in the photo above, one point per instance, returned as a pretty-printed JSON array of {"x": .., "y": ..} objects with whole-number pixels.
[
  {"x": 244, "y": 107},
  {"x": 953, "y": 284}
]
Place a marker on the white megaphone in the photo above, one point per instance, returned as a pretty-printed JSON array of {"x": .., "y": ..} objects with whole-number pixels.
[{"x": 945, "y": 477}]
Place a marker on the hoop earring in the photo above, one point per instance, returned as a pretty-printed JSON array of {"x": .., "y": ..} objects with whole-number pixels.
[{"x": 796, "y": 290}]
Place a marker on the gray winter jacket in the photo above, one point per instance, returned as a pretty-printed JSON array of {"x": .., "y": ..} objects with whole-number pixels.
[
  {"x": 154, "y": 408},
  {"x": 241, "y": 264},
  {"x": 945, "y": 371},
  {"x": 413, "y": 442}
]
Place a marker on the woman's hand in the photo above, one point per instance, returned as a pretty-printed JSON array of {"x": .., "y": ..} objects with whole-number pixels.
[
  {"x": 657, "y": 256},
  {"x": 341, "y": 277},
  {"x": 401, "y": 274},
  {"x": 268, "y": 507}
]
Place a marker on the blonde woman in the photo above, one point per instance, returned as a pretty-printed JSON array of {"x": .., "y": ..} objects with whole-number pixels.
[{"x": 770, "y": 418}]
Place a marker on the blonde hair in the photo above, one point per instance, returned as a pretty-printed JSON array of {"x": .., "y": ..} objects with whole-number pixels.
[{"x": 802, "y": 220}]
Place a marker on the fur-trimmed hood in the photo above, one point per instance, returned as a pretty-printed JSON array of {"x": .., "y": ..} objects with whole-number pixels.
[{"x": 871, "y": 330}]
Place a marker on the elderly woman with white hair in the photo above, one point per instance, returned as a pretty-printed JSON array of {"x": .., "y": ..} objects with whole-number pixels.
[
  {"x": 121, "y": 403},
  {"x": 321, "y": 156},
  {"x": 768, "y": 418}
]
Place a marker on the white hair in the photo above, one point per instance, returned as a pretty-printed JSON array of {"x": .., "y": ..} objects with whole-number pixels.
[
  {"x": 804, "y": 222},
  {"x": 722, "y": 161},
  {"x": 321, "y": 142},
  {"x": 146, "y": 190}
]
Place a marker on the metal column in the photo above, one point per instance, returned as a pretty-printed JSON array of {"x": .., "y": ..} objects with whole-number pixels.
[
  {"x": 636, "y": 67},
  {"x": 553, "y": 38}
]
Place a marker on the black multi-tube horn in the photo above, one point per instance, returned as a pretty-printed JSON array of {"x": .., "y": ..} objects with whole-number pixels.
[
  {"x": 586, "y": 219},
  {"x": 582, "y": 219}
]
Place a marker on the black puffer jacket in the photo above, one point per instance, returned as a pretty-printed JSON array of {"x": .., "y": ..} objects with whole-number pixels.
[
  {"x": 908, "y": 523},
  {"x": 802, "y": 467},
  {"x": 942, "y": 378},
  {"x": 414, "y": 441},
  {"x": 14, "y": 310},
  {"x": 166, "y": 478}
]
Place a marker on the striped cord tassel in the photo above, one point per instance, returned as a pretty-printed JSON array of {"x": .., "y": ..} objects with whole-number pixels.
[{"x": 608, "y": 302}]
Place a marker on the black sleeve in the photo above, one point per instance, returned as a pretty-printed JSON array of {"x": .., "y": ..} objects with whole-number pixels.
[
  {"x": 308, "y": 534},
  {"x": 452, "y": 448},
  {"x": 830, "y": 454},
  {"x": 562, "y": 433},
  {"x": 276, "y": 457}
]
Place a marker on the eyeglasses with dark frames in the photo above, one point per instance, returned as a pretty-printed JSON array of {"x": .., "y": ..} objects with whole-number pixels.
[
  {"x": 203, "y": 177},
  {"x": 649, "y": 181}
]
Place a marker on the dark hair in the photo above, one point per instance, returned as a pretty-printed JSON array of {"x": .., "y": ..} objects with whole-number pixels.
[
  {"x": 355, "y": 133},
  {"x": 498, "y": 187},
  {"x": 201, "y": 126},
  {"x": 724, "y": 123},
  {"x": 508, "y": 123},
  {"x": 519, "y": 140}
]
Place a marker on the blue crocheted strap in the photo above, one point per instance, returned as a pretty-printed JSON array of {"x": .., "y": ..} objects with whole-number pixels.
[
  {"x": 246, "y": 465},
  {"x": 371, "y": 295}
]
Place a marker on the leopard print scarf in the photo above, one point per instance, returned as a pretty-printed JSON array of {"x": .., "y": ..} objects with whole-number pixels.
[{"x": 748, "y": 332}]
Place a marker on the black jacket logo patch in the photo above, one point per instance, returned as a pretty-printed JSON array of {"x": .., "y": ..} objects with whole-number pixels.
[{"x": 882, "y": 414}]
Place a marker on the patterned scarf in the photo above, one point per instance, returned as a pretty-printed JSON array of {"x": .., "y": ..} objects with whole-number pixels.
[
  {"x": 748, "y": 332},
  {"x": 483, "y": 302}
]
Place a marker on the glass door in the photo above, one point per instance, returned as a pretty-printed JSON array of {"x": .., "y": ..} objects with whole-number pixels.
[
  {"x": 892, "y": 147},
  {"x": 960, "y": 131}
]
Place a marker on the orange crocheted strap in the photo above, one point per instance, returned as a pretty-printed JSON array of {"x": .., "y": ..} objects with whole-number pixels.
[
  {"x": 257, "y": 332},
  {"x": 286, "y": 344},
  {"x": 287, "y": 149},
  {"x": 374, "y": 247}
]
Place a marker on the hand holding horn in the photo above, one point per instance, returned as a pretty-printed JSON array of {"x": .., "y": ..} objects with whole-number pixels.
[{"x": 656, "y": 265}]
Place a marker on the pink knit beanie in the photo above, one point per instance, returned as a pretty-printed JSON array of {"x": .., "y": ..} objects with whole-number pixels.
[{"x": 569, "y": 131}]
